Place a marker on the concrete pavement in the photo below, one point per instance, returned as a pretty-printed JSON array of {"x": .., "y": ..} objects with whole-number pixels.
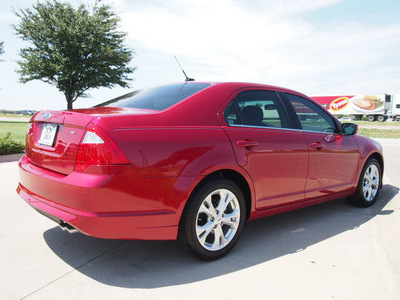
[{"x": 329, "y": 251}]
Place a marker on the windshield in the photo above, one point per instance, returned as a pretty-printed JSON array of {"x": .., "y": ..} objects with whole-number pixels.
[{"x": 157, "y": 98}]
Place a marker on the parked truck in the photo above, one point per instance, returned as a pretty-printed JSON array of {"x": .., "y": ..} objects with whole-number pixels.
[{"x": 376, "y": 107}]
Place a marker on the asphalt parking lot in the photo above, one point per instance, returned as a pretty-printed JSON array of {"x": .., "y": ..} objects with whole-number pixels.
[{"x": 329, "y": 251}]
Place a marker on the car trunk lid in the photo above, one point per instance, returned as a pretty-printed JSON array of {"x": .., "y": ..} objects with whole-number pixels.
[{"x": 53, "y": 139}]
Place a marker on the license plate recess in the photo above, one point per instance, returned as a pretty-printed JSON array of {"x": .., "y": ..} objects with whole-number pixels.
[{"x": 48, "y": 134}]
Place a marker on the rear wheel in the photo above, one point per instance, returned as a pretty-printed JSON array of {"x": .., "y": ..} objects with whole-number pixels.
[
  {"x": 213, "y": 220},
  {"x": 368, "y": 185},
  {"x": 371, "y": 118},
  {"x": 381, "y": 118}
]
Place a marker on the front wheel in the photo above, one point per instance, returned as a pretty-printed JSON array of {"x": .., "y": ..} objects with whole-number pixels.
[
  {"x": 368, "y": 185},
  {"x": 213, "y": 220}
]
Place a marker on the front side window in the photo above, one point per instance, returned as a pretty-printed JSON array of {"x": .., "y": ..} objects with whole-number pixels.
[
  {"x": 257, "y": 108},
  {"x": 311, "y": 116}
]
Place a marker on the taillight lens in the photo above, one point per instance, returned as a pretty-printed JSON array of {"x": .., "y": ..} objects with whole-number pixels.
[{"x": 97, "y": 149}]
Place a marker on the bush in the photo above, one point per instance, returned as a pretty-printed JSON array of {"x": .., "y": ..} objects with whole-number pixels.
[{"x": 10, "y": 146}]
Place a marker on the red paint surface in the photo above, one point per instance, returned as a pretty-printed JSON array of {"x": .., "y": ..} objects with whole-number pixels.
[{"x": 169, "y": 152}]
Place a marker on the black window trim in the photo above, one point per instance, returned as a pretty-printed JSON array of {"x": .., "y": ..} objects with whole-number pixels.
[
  {"x": 234, "y": 100},
  {"x": 290, "y": 110}
]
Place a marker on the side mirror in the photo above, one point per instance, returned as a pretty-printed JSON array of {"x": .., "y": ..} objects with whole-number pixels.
[{"x": 349, "y": 129}]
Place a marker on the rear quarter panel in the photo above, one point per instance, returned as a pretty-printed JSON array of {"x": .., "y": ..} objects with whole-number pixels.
[{"x": 169, "y": 152}]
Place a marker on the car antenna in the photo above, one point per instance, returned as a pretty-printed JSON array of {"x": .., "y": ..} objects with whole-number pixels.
[{"x": 187, "y": 78}]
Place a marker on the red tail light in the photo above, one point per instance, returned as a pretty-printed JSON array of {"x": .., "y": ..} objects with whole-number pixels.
[{"x": 97, "y": 149}]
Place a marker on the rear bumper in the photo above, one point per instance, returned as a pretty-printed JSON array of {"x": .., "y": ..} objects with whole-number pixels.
[{"x": 113, "y": 202}]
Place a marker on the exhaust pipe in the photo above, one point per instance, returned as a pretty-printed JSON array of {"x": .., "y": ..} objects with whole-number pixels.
[{"x": 66, "y": 227}]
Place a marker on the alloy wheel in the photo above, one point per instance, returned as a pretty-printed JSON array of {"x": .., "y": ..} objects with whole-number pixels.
[
  {"x": 370, "y": 182},
  {"x": 217, "y": 220}
]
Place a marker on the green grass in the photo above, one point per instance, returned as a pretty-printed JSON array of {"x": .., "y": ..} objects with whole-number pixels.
[
  {"x": 380, "y": 133},
  {"x": 17, "y": 129},
  {"x": 15, "y": 116},
  {"x": 376, "y": 124}
]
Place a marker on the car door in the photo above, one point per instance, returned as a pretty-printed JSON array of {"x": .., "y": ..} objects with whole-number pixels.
[
  {"x": 334, "y": 158},
  {"x": 266, "y": 145}
]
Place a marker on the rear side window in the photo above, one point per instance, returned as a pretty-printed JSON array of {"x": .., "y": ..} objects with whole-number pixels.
[
  {"x": 157, "y": 98},
  {"x": 311, "y": 116},
  {"x": 257, "y": 108}
]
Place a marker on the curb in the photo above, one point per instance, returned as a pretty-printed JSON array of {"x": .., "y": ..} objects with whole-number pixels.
[{"x": 10, "y": 157}]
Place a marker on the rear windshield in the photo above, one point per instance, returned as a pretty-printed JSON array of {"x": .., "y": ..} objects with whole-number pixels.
[{"x": 157, "y": 98}]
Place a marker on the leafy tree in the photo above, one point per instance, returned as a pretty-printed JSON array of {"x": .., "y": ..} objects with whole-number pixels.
[{"x": 73, "y": 49}]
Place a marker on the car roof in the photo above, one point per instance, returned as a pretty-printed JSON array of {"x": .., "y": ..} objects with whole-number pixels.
[{"x": 237, "y": 85}]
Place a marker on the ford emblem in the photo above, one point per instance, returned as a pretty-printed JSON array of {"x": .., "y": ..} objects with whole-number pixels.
[{"x": 47, "y": 115}]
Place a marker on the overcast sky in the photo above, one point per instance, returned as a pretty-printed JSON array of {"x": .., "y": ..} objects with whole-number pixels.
[{"x": 318, "y": 47}]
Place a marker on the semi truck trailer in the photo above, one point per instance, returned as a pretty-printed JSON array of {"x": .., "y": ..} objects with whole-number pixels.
[{"x": 375, "y": 107}]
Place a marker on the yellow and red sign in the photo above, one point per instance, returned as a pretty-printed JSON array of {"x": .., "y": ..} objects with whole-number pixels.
[{"x": 339, "y": 103}]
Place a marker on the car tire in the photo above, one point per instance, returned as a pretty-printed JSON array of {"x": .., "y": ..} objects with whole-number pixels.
[
  {"x": 371, "y": 118},
  {"x": 368, "y": 185},
  {"x": 212, "y": 220}
]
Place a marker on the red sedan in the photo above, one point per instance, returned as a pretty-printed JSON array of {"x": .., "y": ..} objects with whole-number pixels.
[{"x": 193, "y": 161}]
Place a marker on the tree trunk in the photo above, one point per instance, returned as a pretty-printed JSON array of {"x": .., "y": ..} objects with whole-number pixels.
[{"x": 68, "y": 97}]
